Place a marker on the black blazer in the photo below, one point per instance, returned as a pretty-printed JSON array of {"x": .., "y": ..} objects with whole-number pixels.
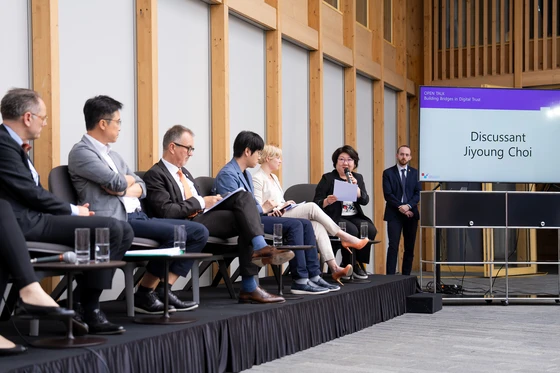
[
  {"x": 326, "y": 188},
  {"x": 164, "y": 199},
  {"x": 393, "y": 191},
  {"x": 17, "y": 186}
]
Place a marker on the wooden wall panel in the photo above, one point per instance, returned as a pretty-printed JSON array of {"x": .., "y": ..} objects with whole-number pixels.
[
  {"x": 297, "y": 9},
  {"x": 363, "y": 42},
  {"x": 331, "y": 24}
]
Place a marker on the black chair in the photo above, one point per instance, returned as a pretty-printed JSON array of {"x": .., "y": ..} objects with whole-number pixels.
[
  {"x": 61, "y": 186},
  {"x": 300, "y": 192}
]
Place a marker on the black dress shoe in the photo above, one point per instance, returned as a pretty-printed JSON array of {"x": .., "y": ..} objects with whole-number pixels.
[
  {"x": 148, "y": 303},
  {"x": 359, "y": 272},
  {"x": 98, "y": 323},
  {"x": 16, "y": 350},
  {"x": 79, "y": 326},
  {"x": 174, "y": 300},
  {"x": 26, "y": 310}
]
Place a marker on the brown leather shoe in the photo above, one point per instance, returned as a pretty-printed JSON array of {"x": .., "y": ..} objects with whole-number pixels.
[
  {"x": 259, "y": 295},
  {"x": 271, "y": 255}
]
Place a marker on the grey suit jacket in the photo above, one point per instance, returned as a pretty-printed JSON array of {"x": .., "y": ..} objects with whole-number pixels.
[{"x": 90, "y": 173}]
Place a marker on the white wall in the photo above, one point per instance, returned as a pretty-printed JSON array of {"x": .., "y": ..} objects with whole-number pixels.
[
  {"x": 333, "y": 111},
  {"x": 247, "y": 90},
  {"x": 97, "y": 57},
  {"x": 390, "y": 129},
  {"x": 295, "y": 115},
  {"x": 15, "y": 45},
  {"x": 184, "y": 75},
  {"x": 364, "y": 105}
]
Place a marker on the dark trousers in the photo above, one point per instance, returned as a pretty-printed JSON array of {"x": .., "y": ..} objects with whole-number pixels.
[
  {"x": 353, "y": 224},
  {"x": 394, "y": 228},
  {"x": 13, "y": 251},
  {"x": 163, "y": 231},
  {"x": 295, "y": 231},
  {"x": 60, "y": 230},
  {"x": 237, "y": 216}
]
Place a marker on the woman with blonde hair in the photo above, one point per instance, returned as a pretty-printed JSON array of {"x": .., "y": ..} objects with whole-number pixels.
[{"x": 268, "y": 190}]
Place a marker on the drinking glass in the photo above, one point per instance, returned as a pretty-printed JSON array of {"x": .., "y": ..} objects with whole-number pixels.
[
  {"x": 363, "y": 230},
  {"x": 180, "y": 237},
  {"x": 277, "y": 235},
  {"x": 102, "y": 245},
  {"x": 81, "y": 245},
  {"x": 342, "y": 225}
]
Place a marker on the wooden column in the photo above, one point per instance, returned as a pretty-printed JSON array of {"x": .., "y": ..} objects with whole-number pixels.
[
  {"x": 349, "y": 40},
  {"x": 376, "y": 19},
  {"x": 429, "y": 47},
  {"x": 274, "y": 82},
  {"x": 220, "y": 85},
  {"x": 518, "y": 44},
  {"x": 147, "y": 83},
  {"x": 315, "y": 95},
  {"x": 399, "y": 20},
  {"x": 46, "y": 81}
]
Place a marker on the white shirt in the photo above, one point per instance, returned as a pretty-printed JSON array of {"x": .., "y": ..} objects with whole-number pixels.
[
  {"x": 131, "y": 204},
  {"x": 173, "y": 170}
]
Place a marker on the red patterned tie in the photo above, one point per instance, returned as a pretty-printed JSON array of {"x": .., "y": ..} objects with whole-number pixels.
[{"x": 26, "y": 147}]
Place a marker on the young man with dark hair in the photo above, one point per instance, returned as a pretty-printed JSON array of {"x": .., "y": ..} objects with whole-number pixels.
[
  {"x": 101, "y": 176},
  {"x": 44, "y": 217},
  {"x": 401, "y": 188},
  {"x": 305, "y": 265}
]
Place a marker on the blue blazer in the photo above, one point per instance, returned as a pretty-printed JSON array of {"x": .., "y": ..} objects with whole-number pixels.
[
  {"x": 231, "y": 178},
  {"x": 393, "y": 191}
]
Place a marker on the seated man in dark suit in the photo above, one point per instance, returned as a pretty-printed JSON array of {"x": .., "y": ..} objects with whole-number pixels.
[
  {"x": 172, "y": 193},
  {"x": 305, "y": 266},
  {"x": 44, "y": 217},
  {"x": 101, "y": 176}
]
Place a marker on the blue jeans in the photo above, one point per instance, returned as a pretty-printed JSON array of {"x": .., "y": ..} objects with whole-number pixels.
[
  {"x": 163, "y": 231},
  {"x": 305, "y": 263}
]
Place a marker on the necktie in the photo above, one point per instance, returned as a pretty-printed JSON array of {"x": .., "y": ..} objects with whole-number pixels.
[
  {"x": 186, "y": 187},
  {"x": 403, "y": 181},
  {"x": 26, "y": 147}
]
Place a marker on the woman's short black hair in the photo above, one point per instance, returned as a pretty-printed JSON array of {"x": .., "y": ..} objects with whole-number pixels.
[{"x": 348, "y": 150}]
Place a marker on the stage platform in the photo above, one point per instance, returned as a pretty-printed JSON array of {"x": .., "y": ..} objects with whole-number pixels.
[{"x": 227, "y": 336}]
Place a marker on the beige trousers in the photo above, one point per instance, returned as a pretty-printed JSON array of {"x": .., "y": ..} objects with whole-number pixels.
[{"x": 323, "y": 226}]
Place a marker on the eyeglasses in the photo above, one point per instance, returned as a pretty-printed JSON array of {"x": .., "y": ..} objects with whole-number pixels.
[
  {"x": 43, "y": 119},
  {"x": 119, "y": 122},
  {"x": 347, "y": 160},
  {"x": 190, "y": 149}
]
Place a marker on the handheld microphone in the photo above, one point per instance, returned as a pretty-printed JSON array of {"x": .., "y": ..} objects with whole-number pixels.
[
  {"x": 68, "y": 257},
  {"x": 437, "y": 186},
  {"x": 347, "y": 173}
]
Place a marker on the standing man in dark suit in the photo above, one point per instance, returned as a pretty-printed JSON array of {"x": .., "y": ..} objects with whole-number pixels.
[
  {"x": 401, "y": 188},
  {"x": 44, "y": 217},
  {"x": 173, "y": 194}
]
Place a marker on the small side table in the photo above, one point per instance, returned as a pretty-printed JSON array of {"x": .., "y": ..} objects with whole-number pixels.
[
  {"x": 70, "y": 270},
  {"x": 165, "y": 318},
  {"x": 279, "y": 267}
]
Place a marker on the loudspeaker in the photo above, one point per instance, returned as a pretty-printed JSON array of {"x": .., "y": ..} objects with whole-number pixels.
[{"x": 424, "y": 303}]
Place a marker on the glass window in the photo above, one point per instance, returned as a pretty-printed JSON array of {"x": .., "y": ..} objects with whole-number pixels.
[
  {"x": 333, "y": 3},
  {"x": 362, "y": 12},
  {"x": 388, "y": 20}
]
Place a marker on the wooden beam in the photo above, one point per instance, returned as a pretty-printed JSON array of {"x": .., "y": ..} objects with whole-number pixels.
[
  {"x": 255, "y": 11},
  {"x": 517, "y": 43},
  {"x": 460, "y": 45},
  {"x": 468, "y": 40},
  {"x": 545, "y": 35},
  {"x": 219, "y": 36},
  {"x": 443, "y": 40},
  {"x": 493, "y": 29},
  {"x": 554, "y": 34},
  {"x": 535, "y": 36},
  {"x": 147, "y": 83},
  {"x": 368, "y": 67},
  {"x": 476, "y": 37},
  {"x": 435, "y": 46},
  {"x": 430, "y": 48},
  {"x": 337, "y": 51},
  {"x": 452, "y": 40},
  {"x": 46, "y": 81},
  {"x": 476, "y": 81},
  {"x": 349, "y": 40},
  {"x": 316, "y": 144},
  {"x": 274, "y": 83},
  {"x": 485, "y": 37},
  {"x": 299, "y": 33},
  {"x": 525, "y": 32},
  {"x": 503, "y": 36},
  {"x": 376, "y": 19}
]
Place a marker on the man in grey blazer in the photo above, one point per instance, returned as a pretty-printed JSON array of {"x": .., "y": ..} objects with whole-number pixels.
[{"x": 102, "y": 177}]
